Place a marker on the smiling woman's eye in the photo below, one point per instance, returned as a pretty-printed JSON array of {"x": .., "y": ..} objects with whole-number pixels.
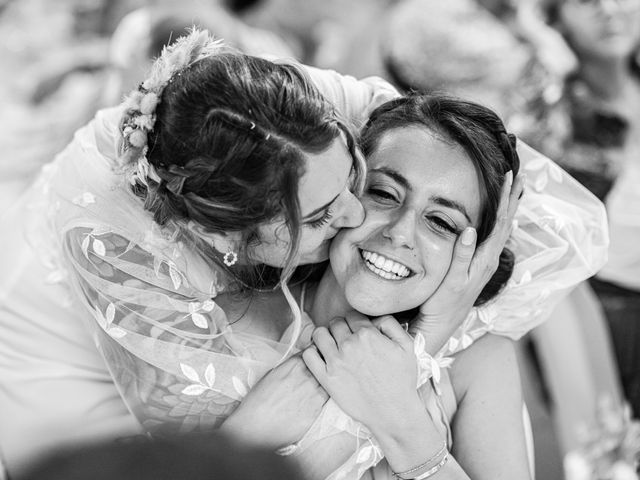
[
  {"x": 442, "y": 224},
  {"x": 381, "y": 194}
]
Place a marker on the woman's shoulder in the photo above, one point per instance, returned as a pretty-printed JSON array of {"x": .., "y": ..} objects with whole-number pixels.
[{"x": 489, "y": 358}]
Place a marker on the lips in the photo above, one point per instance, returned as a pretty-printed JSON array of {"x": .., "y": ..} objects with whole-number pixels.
[{"x": 385, "y": 267}]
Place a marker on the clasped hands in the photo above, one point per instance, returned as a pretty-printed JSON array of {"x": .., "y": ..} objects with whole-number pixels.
[{"x": 368, "y": 366}]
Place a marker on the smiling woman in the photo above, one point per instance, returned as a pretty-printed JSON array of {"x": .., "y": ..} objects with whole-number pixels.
[
  {"x": 436, "y": 169},
  {"x": 421, "y": 194}
]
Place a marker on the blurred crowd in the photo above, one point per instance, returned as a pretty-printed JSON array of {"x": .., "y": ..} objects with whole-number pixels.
[{"x": 565, "y": 74}]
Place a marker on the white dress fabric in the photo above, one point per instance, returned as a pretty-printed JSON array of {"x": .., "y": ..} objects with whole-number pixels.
[{"x": 98, "y": 304}]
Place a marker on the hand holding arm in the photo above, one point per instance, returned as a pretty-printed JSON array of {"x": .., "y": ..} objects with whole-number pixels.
[
  {"x": 370, "y": 370},
  {"x": 280, "y": 408}
]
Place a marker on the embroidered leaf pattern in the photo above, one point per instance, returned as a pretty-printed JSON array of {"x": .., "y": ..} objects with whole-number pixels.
[
  {"x": 199, "y": 320},
  {"x": 99, "y": 247},
  {"x": 195, "y": 389},
  {"x": 110, "y": 313},
  {"x": 365, "y": 454},
  {"x": 116, "y": 332},
  {"x": 541, "y": 182},
  {"x": 190, "y": 372},
  {"x": 210, "y": 375},
  {"x": 239, "y": 386},
  {"x": 85, "y": 199},
  {"x": 208, "y": 305}
]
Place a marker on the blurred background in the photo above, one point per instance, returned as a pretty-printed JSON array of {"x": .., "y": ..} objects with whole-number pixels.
[{"x": 564, "y": 74}]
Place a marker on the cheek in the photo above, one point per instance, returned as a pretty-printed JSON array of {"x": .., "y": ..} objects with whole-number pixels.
[{"x": 437, "y": 253}]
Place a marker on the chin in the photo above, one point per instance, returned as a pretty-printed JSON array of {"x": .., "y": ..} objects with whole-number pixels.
[{"x": 372, "y": 305}]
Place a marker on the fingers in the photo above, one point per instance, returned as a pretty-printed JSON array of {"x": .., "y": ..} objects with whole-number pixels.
[
  {"x": 314, "y": 363},
  {"x": 390, "y": 327},
  {"x": 516, "y": 194},
  {"x": 463, "y": 252},
  {"x": 502, "y": 221},
  {"x": 325, "y": 343},
  {"x": 339, "y": 329},
  {"x": 509, "y": 202},
  {"x": 357, "y": 320}
]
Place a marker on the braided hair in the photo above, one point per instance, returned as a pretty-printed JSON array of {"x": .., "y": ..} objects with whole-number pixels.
[
  {"x": 482, "y": 135},
  {"x": 228, "y": 149}
]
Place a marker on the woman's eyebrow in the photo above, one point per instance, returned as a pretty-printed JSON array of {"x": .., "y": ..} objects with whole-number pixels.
[
  {"x": 397, "y": 176},
  {"x": 447, "y": 202}
]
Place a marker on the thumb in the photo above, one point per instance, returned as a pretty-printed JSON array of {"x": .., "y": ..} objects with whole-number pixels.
[{"x": 390, "y": 327}]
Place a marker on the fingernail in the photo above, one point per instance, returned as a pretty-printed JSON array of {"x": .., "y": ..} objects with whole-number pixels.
[
  {"x": 509, "y": 177},
  {"x": 468, "y": 236}
]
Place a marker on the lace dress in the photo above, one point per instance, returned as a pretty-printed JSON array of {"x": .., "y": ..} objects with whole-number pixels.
[{"x": 106, "y": 318}]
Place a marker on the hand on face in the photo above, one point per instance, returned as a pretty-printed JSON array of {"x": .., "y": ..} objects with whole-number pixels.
[
  {"x": 469, "y": 272},
  {"x": 368, "y": 368},
  {"x": 421, "y": 193},
  {"x": 280, "y": 408}
]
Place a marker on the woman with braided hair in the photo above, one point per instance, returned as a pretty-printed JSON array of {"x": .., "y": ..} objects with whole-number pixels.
[{"x": 174, "y": 225}]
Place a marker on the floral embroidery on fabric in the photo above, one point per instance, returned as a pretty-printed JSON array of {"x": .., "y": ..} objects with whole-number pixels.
[
  {"x": 198, "y": 387},
  {"x": 84, "y": 200},
  {"x": 105, "y": 320}
]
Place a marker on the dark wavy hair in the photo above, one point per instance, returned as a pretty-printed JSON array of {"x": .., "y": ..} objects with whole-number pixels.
[
  {"x": 229, "y": 146},
  {"x": 482, "y": 135}
]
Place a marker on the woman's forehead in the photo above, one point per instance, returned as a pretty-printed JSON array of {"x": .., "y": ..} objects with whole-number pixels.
[{"x": 428, "y": 165}]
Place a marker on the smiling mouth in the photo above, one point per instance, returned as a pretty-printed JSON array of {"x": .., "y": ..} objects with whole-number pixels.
[{"x": 385, "y": 267}]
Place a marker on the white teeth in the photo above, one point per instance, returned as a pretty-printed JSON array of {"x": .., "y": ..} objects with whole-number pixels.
[{"x": 385, "y": 267}]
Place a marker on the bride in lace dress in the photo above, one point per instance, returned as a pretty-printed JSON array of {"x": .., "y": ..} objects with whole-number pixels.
[{"x": 130, "y": 288}]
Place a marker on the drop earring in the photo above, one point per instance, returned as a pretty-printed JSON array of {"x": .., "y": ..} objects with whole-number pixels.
[{"x": 230, "y": 258}]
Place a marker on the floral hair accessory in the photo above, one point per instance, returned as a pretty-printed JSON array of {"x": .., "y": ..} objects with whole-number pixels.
[{"x": 140, "y": 105}]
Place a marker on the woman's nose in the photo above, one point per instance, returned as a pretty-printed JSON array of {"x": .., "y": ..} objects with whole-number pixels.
[
  {"x": 352, "y": 212},
  {"x": 401, "y": 230}
]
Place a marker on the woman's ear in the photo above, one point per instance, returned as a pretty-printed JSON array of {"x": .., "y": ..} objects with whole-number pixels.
[{"x": 222, "y": 242}]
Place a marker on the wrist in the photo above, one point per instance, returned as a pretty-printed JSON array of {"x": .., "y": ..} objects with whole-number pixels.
[
  {"x": 428, "y": 468},
  {"x": 410, "y": 440}
]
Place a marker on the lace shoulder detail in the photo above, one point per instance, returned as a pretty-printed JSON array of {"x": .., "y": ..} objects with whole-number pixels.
[{"x": 170, "y": 350}]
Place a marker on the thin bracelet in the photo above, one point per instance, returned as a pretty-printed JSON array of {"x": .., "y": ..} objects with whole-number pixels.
[
  {"x": 434, "y": 470},
  {"x": 434, "y": 458}
]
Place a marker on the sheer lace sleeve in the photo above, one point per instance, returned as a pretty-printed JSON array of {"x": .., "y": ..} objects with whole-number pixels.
[
  {"x": 560, "y": 238},
  {"x": 171, "y": 353}
]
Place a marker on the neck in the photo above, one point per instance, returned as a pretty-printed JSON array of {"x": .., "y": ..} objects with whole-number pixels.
[
  {"x": 606, "y": 77},
  {"x": 329, "y": 300}
]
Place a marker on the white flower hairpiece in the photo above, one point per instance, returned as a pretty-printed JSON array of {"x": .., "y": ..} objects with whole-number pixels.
[{"x": 140, "y": 105}]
